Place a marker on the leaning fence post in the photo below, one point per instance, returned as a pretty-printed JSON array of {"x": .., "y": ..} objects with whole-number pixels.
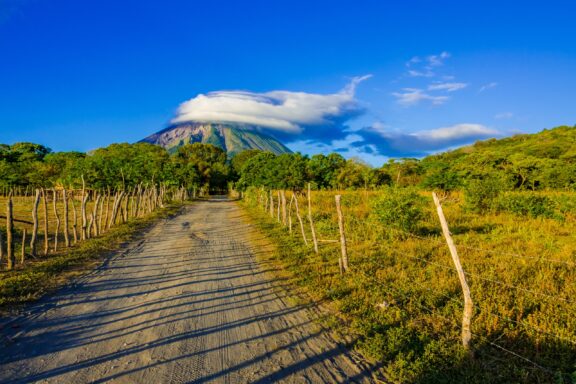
[
  {"x": 344, "y": 257},
  {"x": 300, "y": 219},
  {"x": 314, "y": 240},
  {"x": 468, "y": 304}
]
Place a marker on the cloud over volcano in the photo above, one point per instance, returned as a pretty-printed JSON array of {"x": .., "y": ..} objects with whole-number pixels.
[{"x": 287, "y": 114}]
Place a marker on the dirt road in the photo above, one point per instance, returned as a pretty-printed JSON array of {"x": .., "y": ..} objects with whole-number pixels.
[{"x": 187, "y": 303}]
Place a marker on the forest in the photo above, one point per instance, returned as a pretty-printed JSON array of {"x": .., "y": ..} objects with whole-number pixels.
[{"x": 542, "y": 161}]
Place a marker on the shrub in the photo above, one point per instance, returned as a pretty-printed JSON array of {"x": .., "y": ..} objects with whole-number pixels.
[
  {"x": 526, "y": 204},
  {"x": 400, "y": 208},
  {"x": 480, "y": 194}
]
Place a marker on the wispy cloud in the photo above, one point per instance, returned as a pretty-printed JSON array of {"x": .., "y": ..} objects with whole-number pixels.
[
  {"x": 282, "y": 112},
  {"x": 424, "y": 66},
  {"x": 438, "y": 60},
  {"x": 487, "y": 87},
  {"x": 399, "y": 144},
  {"x": 409, "y": 97},
  {"x": 449, "y": 87},
  {"x": 425, "y": 73},
  {"x": 435, "y": 92}
]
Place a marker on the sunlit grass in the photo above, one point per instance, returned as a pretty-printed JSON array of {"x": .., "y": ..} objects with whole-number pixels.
[{"x": 402, "y": 296}]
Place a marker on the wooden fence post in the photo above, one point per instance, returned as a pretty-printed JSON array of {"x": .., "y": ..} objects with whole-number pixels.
[
  {"x": 74, "y": 218},
  {"x": 9, "y": 233},
  {"x": 300, "y": 219},
  {"x": 290, "y": 214},
  {"x": 344, "y": 257},
  {"x": 1, "y": 247},
  {"x": 271, "y": 204},
  {"x": 314, "y": 240},
  {"x": 95, "y": 215},
  {"x": 83, "y": 209},
  {"x": 66, "y": 217},
  {"x": 35, "y": 225},
  {"x": 107, "y": 209},
  {"x": 278, "y": 206},
  {"x": 468, "y": 304},
  {"x": 46, "y": 234},
  {"x": 23, "y": 254},
  {"x": 54, "y": 204},
  {"x": 283, "y": 198}
]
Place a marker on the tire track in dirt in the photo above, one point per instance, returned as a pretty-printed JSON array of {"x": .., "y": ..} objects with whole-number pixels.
[{"x": 188, "y": 303}]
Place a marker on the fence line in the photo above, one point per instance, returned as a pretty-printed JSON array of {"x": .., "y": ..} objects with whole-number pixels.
[
  {"x": 91, "y": 215},
  {"x": 526, "y": 327}
]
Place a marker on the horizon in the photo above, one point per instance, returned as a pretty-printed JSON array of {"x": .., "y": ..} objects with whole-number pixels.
[{"x": 319, "y": 77}]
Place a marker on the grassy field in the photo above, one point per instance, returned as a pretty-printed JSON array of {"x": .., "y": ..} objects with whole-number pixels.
[{"x": 402, "y": 300}]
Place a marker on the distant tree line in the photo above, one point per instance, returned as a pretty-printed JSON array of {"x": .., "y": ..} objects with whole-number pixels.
[{"x": 524, "y": 162}]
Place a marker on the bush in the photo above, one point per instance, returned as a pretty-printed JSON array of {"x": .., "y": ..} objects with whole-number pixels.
[
  {"x": 526, "y": 204},
  {"x": 480, "y": 194},
  {"x": 400, "y": 208}
]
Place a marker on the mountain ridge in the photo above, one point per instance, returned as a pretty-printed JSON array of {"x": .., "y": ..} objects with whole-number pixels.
[{"x": 232, "y": 138}]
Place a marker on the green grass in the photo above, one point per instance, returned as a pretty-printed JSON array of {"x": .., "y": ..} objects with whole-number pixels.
[{"x": 403, "y": 303}]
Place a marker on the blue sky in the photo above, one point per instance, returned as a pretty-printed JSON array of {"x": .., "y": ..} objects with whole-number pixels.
[{"x": 77, "y": 75}]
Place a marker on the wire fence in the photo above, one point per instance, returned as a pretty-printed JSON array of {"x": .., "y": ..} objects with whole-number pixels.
[{"x": 562, "y": 332}]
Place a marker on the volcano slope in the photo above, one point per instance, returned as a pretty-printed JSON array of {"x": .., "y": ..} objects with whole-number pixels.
[{"x": 188, "y": 302}]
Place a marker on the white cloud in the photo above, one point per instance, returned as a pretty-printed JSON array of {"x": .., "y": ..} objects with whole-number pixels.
[
  {"x": 400, "y": 144},
  {"x": 488, "y": 86},
  {"x": 413, "y": 96},
  {"x": 454, "y": 132},
  {"x": 504, "y": 116},
  {"x": 429, "y": 61},
  {"x": 283, "y": 111},
  {"x": 438, "y": 60},
  {"x": 425, "y": 73},
  {"x": 449, "y": 87}
]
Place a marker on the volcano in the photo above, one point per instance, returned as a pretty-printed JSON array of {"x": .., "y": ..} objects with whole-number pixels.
[{"x": 230, "y": 137}]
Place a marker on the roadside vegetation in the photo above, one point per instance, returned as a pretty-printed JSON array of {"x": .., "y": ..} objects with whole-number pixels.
[{"x": 401, "y": 298}]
